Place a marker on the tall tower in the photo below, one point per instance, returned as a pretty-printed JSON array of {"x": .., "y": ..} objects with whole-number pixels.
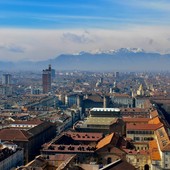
[
  {"x": 140, "y": 91},
  {"x": 46, "y": 80},
  {"x": 106, "y": 101},
  {"x": 6, "y": 79}
]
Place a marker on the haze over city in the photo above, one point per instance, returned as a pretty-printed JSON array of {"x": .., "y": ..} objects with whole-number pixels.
[
  {"x": 34, "y": 30},
  {"x": 85, "y": 84}
]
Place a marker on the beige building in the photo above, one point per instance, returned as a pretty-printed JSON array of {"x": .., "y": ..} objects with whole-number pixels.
[
  {"x": 163, "y": 146},
  {"x": 141, "y": 134},
  {"x": 139, "y": 159},
  {"x": 101, "y": 124},
  {"x": 151, "y": 141}
]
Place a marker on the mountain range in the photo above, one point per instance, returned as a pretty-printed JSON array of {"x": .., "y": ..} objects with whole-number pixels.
[{"x": 124, "y": 59}]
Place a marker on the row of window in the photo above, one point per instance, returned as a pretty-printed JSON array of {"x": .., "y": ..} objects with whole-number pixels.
[
  {"x": 140, "y": 132},
  {"x": 143, "y": 139},
  {"x": 98, "y": 126},
  {"x": 22, "y": 125},
  {"x": 142, "y": 148}
]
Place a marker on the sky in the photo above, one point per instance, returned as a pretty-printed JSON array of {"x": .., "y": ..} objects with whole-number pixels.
[{"x": 43, "y": 29}]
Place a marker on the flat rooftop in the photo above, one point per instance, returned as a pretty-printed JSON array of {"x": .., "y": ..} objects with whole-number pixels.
[{"x": 100, "y": 121}]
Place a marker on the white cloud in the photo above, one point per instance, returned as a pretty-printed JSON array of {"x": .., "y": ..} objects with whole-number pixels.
[
  {"x": 163, "y": 5},
  {"x": 157, "y": 5},
  {"x": 12, "y": 48},
  {"x": 36, "y": 44},
  {"x": 83, "y": 38}
]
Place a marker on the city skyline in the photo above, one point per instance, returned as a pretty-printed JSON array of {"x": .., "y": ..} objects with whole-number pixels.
[{"x": 31, "y": 30}]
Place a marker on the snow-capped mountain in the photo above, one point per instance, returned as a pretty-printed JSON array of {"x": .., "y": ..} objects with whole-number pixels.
[
  {"x": 123, "y": 59},
  {"x": 130, "y": 50},
  {"x": 121, "y": 50}
]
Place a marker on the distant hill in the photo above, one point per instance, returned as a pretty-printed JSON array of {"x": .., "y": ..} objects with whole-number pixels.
[{"x": 125, "y": 59}]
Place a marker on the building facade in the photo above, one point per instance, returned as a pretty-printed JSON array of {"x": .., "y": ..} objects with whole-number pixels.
[
  {"x": 6, "y": 79},
  {"x": 46, "y": 80},
  {"x": 10, "y": 157}
]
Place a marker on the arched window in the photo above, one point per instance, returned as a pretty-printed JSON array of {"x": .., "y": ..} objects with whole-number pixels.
[
  {"x": 109, "y": 160},
  {"x": 146, "y": 167}
]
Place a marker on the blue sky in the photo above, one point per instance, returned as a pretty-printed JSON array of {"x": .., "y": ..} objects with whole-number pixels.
[
  {"x": 53, "y": 14},
  {"x": 47, "y": 28}
]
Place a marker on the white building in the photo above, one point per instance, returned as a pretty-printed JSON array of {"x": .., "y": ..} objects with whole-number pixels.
[
  {"x": 122, "y": 99},
  {"x": 10, "y": 156}
]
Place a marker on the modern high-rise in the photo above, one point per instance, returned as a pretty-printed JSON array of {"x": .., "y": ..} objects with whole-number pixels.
[
  {"x": 6, "y": 79},
  {"x": 46, "y": 80},
  {"x": 52, "y": 74},
  {"x": 117, "y": 75}
]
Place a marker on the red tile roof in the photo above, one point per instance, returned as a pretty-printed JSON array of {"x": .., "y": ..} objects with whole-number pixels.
[
  {"x": 135, "y": 126},
  {"x": 139, "y": 110},
  {"x": 155, "y": 120},
  {"x": 14, "y": 135},
  {"x": 85, "y": 136},
  {"x": 154, "y": 151},
  {"x": 134, "y": 120},
  {"x": 154, "y": 113},
  {"x": 95, "y": 98},
  {"x": 69, "y": 148},
  {"x": 105, "y": 141}
]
